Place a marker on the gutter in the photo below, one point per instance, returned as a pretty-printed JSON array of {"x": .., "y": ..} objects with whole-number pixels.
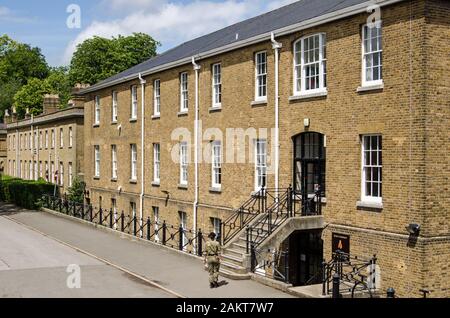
[
  {"x": 276, "y": 46},
  {"x": 141, "y": 208},
  {"x": 329, "y": 17},
  {"x": 196, "y": 128}
]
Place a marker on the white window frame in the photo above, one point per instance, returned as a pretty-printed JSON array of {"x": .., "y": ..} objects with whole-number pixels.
[
  {"x": 97, "y": 110},
  {"x": 47, "y": 172},
  {"x": 70, "y": 137},
  {"x": 61, "y": 138},
  {"x": 70, "y": 168},
  {"x": 260, "y": 76},
  {"x": 300, "y": 66},
  {"x": 114, "y": 162},
  {"x": 114, "y": 107},
  {"x": 217, "y": 229},
  {"x": 53, "y": 138},
  {"x": 183, "y": 163},
  {"x": 157, "y": 97},
  {"x": 133, "y": 161},
  {"x": 379, "y": 153},
  {"x": 216, "y": 76},
  {"x": 46, "y": 139},
  {"x": 134, "y": 102},
  {"x": 61, "y": 174},
  {"x": 30, "y": 166},
  {"x": 97, "y": 161},
  {"x": 184, "y": 92},
  {"x": 260, "y": 163},
  {"x": 156, "y": 163},
  {"x": 183, "y": 225},
  {"x": 366, "y": 54},
  {"x": 114, "y": 209},
  {"x": 216, "y": 165},
  {"x": 41, "y": 140}
]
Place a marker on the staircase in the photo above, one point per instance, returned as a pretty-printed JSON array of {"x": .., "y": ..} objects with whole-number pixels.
[{"x": 253, "y": 223}]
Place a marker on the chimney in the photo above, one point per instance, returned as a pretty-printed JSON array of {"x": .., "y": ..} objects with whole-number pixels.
[
  {"x": 7, "y": 117},
  {"x": 51, "y": 104},
  {"x": 14, "y": 114},
  {"x": 77, "y": 100},
  {"x": 27, "y": 113}
]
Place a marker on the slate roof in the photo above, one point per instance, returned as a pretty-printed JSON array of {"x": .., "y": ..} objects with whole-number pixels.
[{"x": 291, "y": 14}]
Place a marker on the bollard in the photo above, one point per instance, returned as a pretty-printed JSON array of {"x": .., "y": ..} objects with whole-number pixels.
[
  {"x": 164, "y": 232},
  {"x": 200, "y": 242},
  {"x": 110, "y": 218},
  {"x": 336, "y": 281},
  {"x": 390, "y": 293},
  {"x": 122, "y": 227},
  {"x": 148, "y": 228}
]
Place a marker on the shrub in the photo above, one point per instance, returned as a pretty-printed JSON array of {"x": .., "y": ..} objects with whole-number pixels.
[
  {"x": 24, "y": 193},
  {"x": 76, "y": 191}
]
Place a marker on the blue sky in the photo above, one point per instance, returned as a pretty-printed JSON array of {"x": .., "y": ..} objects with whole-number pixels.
[{"x": 43, "y": 23}]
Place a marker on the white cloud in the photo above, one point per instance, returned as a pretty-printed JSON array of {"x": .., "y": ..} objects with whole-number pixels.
[
  {"x": 173, "y": 23},
  {"x": 7, "y": 15}
]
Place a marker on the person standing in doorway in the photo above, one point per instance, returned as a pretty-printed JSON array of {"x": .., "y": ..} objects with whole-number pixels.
[{"x": 212, "y": 259}]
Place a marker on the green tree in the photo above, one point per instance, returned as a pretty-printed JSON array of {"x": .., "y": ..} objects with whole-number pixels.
[
  {"x": 76, "y": 191},
  {"x": 31, "y": 96},
  {"x": 18, "y": 63},
  {"x": 59, "y": 83},
  {"x": 99, "y": 58}
]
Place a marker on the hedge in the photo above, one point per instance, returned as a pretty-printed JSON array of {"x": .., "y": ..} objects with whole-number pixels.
[{"x": 24, "y": 193}]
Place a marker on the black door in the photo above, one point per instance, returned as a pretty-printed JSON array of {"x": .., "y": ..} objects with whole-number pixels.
[
  {"x": 309, "y": 165},
  {"x": 306, "y": 253}
]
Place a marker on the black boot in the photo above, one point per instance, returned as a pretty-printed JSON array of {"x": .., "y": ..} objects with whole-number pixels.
[
  {"x": 216, "y": 284},
  {"x": 212, "y": 285}
]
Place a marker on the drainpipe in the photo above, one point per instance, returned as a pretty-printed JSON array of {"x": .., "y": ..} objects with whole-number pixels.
[
  {"x": 141, "y": 208},
  {"x": 276, "y": 46},
  {"x": 196, "y": 124}
]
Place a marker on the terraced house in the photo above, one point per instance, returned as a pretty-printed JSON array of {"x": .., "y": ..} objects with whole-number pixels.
[
  {"x": 47, "y": 146},
  {"x": 320, "y": 126}
]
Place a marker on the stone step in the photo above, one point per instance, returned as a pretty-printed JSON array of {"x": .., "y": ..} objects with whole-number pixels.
[
  {"x": 240, "y": 246},
  {"x": 233, "y": 267},
  {"x": 236, "y": 260},
  {"x": 235, "y": 252},
  {"x": 232, "y": 275}
]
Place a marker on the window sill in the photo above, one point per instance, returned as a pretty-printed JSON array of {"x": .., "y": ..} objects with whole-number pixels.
[
  {"x": 156, "y": 117},
  {"x": 182, "y": 113},
  {"x": 370, "y": 87},
  {"x": 113, "y": 179},
  {"x": 133, "y": 181},
  {"x": 216, "y": 108},
  {"x": 315, "y": 94},
  {"x": 183, "y": 186},
  {"x": 369, "y": 205},
  {"x": 96, "y": 178},
  {"x": 95, "y": 125},
  {"x": 156, "y": 184},
  {"x": 133, "y": 120},
  {"x": 215, "y": 190},
  {"x": 262, "y": 102},
  {"x": 114, "y": 123}
]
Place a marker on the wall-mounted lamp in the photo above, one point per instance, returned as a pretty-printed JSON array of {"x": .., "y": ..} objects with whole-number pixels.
[
  {"x": 413, "y": 229},
  {"x": 167, "y": 193},
  {"x": 306, "y": 122}
]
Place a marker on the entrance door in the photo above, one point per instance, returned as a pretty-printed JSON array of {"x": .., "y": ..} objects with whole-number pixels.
[
  {"x": 309, "y": 165},
  {"x": 306, "y": 255}
]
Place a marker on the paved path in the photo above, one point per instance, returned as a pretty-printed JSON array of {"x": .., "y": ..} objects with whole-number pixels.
[
  {"x": 172, "y": 270},
  {"x": 32, "y": 265}
]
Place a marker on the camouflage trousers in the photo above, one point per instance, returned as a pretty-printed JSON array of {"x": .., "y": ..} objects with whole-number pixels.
[{"x": 213, "y": 270}]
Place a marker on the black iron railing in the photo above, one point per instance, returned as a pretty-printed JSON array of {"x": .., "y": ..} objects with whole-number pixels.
[
  {"x": 269, "y": 263},
  {"x": 356, "y": 275},
  {"x": 173, "y": 236}
]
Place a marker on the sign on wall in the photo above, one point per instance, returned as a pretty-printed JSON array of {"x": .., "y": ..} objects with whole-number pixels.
[{"x": 340, "y": 242}]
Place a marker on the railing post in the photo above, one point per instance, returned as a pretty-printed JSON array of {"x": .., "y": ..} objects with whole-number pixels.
[
  {"x": 241, "y": 217},
  {"x": 90, "y": 213},
  {"x": 164, "y": 232},
  {"x": 148, "y": 228},
  {"x": 180, "y": 243},
  {"x": 248, "y": 239},
  {"x": 222, "y": 232},
  {"x": 286, "y": 267},
  {"x": 252, "y": 258},
  {"x": 200, "y": 243},
  {"x": 100, "y": 212},
  {"x": 289, "y": 202},
  {"x": 324, "y": 277},
  {"x": 122, "y": 225},
  {"x": 336, "y": 281},
  {"x": 134, "y": 225},
  {"x": 110, "y": 218},
  {"x": 82, "y": 211}
]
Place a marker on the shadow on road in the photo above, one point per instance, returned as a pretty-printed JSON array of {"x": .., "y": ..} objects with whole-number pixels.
[{"x": 11, "y": 209}]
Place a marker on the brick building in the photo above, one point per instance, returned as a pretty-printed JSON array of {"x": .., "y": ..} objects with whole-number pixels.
[
  {"x": 362, "y": 111},
  {"x": 48, "y": 146}
]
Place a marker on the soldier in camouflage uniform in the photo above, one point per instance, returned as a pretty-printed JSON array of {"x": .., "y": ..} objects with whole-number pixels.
[{"x": 212, "y": 259}]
